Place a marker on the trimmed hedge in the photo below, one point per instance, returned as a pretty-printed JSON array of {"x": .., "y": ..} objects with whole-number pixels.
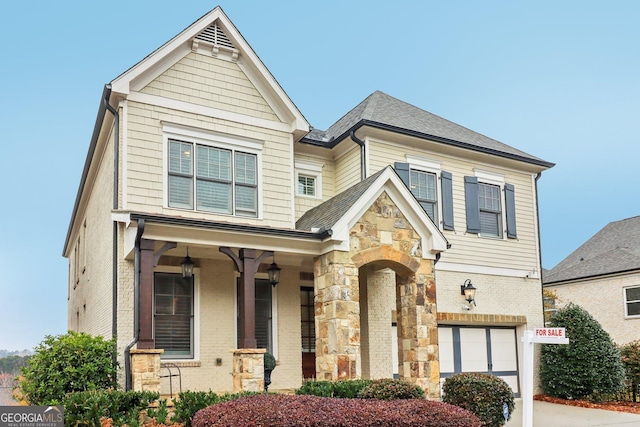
[
  {"x": 339, "y": 389},
  {"x": 483, "y": 394},
  {"x": 190, "y": 402},
  {"x": 388, "y": 389},
  {"x": 301, "y": 411}
]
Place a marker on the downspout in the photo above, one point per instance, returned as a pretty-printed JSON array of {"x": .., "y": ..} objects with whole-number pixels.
[
  {"x": 116, "y": 173},
  {"x": 136, "y": 305},
  {"x": 538, "y": 176},
  {"x": 362, "y": 154}
]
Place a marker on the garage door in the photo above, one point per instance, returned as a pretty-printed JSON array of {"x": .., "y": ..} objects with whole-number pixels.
[{"x": 490, "y": 350}]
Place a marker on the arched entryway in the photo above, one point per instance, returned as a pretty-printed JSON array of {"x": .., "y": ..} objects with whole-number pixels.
[{"x": 382, "y": 244}]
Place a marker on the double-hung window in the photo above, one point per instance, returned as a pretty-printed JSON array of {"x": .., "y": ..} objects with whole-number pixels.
[
  {"x": 423, "y": 187},
  {"x": 174, "y": 315},
  {"x": 212, "y": 179},
  {"x": 490, "y": 205},
  {"x": 490, "y": 210},
  {"x": 632, "y": 301},
  {"x": 431, "y": 186}
]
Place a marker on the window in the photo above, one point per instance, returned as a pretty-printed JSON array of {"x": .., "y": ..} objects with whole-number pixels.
[
  {"x": 431, "y": 186},
  {"x": 490, "y": 211},
  {"x": 632, "y": 301},
  {"x": 174, "y": 315},
  {"x": 264, "y": 318},
  {"x": 487, "y": 197},
  {"x": 309, "y": 178},
  {"x": 307, "y": 319},
  {"x": 226, "y": 181},
  {"x": 423, "y": 187},
  {"x": 306, "y": 185}
]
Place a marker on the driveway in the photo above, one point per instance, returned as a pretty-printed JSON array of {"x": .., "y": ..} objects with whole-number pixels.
[{"x": 547, "y": 414}]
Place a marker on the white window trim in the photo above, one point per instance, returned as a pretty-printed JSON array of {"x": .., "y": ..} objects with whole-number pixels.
[
  {"x": 173, "y": 131},
  {"x": 196, "y": 311},
  {"x": 493, "y": 178},
  {"x": 311, "y": 169},
  {"x": 432, "y": 166},
  {"x": 626, "y": 307}
]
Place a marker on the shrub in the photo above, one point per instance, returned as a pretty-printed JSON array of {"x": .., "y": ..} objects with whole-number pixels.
[
  {"x": 339, "y": 389},
  {"x": 161, "y": 413},
  {"x": 589, "y": 367},
  {"x": 286, "y": 410},
  {"x": 388, "y": 389},
  {"x": 483, "y": 394},
  {"x": 86, "y": 408},
  {"x": 190, "y": 402},
  {"x": 269, "y": 362},
  {"x": 630, "y": 353},
  {"x": 68, "y": 363}
]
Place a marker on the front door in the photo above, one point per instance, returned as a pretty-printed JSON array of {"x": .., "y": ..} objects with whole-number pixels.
[{"x": 308, "y": 332}]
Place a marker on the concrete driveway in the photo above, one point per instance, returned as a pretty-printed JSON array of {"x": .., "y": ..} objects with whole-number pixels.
[{"x": 551, "y": 415}]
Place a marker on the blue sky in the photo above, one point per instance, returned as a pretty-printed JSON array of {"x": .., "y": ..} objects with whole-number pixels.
[{"x": 559, "y": 80}]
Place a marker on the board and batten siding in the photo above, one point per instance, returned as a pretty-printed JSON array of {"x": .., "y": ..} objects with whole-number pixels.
[
  {"x": 211, "y": 82},
  {"x": 469, "y": 248}
]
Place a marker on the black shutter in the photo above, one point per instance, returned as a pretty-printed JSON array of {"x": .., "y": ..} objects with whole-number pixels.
[
  {"x": 471, "y": 202},
  {"x": 509, "y": 196},
  {"x": 402, "y": 169},
  {"x": 447, "y": 200}
]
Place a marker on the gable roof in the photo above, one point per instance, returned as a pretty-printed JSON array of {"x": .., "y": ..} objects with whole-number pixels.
[
  {"x": 383, "y": 111},
  {"x": 338, "y": 214},
  {"x": 215, "y": 30},
  {"x": 614, "y": 249}
]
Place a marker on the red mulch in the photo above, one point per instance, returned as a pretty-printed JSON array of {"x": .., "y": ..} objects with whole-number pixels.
[{"x": 620, "y": 406}]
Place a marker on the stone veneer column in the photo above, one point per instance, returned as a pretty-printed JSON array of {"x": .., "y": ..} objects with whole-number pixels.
[
  {"x": 337, "y": 316},
  {"x": 248, "y": 369},
  {"x": 418, "y": 329},
  {"x": 145, "y": 369}
]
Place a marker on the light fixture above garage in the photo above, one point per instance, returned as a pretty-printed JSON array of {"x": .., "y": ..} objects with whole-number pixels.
[{"x": 469, "y": 292}]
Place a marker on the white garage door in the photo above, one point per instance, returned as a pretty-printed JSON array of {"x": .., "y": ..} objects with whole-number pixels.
[{"x": 490, "y": 350}]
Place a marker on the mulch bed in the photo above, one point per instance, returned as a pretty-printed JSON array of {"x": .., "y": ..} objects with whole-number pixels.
[{"x": 619, "y": 406}]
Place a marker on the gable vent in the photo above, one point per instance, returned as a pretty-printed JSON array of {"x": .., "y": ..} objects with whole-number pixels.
[{"x": 214, "y": 34}]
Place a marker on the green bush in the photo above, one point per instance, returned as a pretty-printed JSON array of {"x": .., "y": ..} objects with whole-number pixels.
[
  {"x": 68, "y": 363},
  {"x": 589, "y": 367},
  {"x": 340, "y": 389},
  {"x": 483, "y": 394},
  {"x": 388, "y": 389},
  {"x": 190, "y": 402},
  {"x": 630, "y": 353},
  {"x": 85, "y": 408},
  {"x": 159, "y": 413}
]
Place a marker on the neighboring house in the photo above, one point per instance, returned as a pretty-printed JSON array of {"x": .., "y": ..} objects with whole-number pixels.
[
  {"x": 603, "y": 277},
  {"x": 199, "y": 156}
]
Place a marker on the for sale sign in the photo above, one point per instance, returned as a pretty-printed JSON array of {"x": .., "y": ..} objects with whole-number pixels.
[{"x": 549, "y": 336}]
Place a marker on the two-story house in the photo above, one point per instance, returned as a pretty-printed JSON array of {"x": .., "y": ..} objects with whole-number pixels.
[
  {"x": 608, "y": 264},
  {"x": 211, "y": 220}
]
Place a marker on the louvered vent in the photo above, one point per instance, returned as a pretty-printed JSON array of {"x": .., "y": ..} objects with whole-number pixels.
[{"x": 214, "y": 34}]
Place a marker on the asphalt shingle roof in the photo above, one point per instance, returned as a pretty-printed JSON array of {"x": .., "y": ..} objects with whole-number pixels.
[
  {"x": 614, "y": 249},
  {"x": 380, "y": 108},
  {"x": 326, "y": 214}
]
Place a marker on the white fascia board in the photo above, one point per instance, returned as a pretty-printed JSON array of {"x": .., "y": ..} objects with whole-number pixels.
[
  {"x": 482, "y": 269},
  {"x": 171, "y": 52},
  {"x": 432, "y": 239}
]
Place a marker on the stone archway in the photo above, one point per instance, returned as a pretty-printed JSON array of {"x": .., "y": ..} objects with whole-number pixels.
[{"x": 384, "y": 237}]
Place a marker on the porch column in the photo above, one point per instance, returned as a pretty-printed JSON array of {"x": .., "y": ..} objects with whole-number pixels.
[
  {"x": 337, "y": 317},
  {"x": 247, "y": 299},
  {"x": 145, "y": 312},
  {"x": 418, "y": 329}
]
